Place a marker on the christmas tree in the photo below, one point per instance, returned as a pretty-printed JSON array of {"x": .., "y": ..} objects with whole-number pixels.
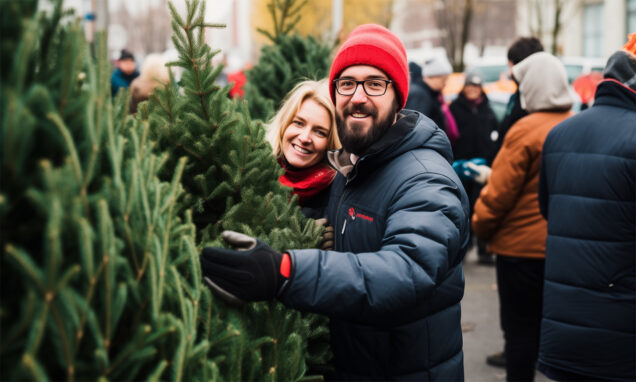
[
  {"x": 99, "y": 263},
  {"x": 289, "y": 60},
  {"x": 231, "y": 181}
]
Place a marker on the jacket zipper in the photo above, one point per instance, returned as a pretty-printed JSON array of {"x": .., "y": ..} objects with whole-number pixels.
[
  {"x": 344, "y": 193},
  {"x": 344, "y": 224}
]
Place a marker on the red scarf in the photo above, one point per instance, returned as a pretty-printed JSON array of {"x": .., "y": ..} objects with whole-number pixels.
[{"x": 306, "y": 182}]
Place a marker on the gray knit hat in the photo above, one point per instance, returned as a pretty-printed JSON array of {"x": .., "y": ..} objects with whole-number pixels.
[{"x": 436, "y": 66}]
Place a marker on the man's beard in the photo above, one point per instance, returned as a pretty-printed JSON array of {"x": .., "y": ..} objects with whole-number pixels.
[{"x": 352, "y": 139}]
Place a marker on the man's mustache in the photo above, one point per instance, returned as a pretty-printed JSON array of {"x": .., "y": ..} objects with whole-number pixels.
[{"x": 361, "y": 109}]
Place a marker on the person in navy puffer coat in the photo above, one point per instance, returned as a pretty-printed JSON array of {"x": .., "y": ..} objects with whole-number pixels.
[
  {"x": 587, "y": 193},
  {"x": 393, "y": 285}
]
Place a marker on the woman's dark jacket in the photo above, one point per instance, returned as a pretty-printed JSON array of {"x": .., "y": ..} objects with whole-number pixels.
[
  {"x": 587, "y": 192},
  {"x": 424, "y": 99},
  {"x": 393, "y": 285},
  {"x": 316, "y": 207},
  {"x": 476, "y": 124}
]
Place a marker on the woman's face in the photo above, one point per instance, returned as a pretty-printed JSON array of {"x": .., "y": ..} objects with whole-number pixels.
[
  {"x": 305, "y": 139},
  {"x": 472, "y": 92}
]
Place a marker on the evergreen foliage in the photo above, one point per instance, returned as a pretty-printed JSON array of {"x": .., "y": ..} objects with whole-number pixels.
[
  {"x": 99, "y": 264},
  {"x": 100, "y": 277},
  {"x": 285, "y": 15},
  {"x": 231, "y": 181},
  {"x": 232, "y": 176},
  {"x": 289, "y": 60}
]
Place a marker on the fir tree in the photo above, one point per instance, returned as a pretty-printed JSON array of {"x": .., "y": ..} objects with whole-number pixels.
[
  {"x": 99, "y": 264},
  {"x": 289, "y": 60},
  {"x": 232, "y": 183}
]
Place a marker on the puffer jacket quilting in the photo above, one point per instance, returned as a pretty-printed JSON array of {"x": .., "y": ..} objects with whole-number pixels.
[
  {"x": 589, "y": 307},
  {"x": 393, "y": 289}
]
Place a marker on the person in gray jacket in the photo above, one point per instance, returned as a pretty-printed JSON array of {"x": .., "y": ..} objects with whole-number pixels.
[{"x": 392, "y": 286}]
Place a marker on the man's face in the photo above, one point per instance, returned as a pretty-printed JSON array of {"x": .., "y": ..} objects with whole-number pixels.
[
  {"x": 127, "y": 66},
  {"x": 436, "y": 83},
  {"x": 363, "y": 119}
]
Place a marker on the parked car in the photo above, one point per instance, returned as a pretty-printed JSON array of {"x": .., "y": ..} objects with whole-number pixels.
[
  {"x": 577, "y": 66},
  {"x": 491, "y": 69}
]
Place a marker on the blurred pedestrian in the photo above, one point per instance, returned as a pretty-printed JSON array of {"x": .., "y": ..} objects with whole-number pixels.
[
  {"x": 426, "y": 95},
  {"x": 125, "y": 72},
  {"x": 518, "y": 51},
  {"x": 476, "y": 123},
  {"x": 587, "y": 192},
  {"x": 300, "y": 133},
  {"x": 521, "y": 48},
  {"x": 154, "y": 73},
  {"x": 393, "y": 285},
  {"x": 238, "y": 81},
  {"x": 507, "y": 211}
]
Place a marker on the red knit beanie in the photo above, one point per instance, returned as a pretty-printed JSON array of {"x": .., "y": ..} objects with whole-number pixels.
[{"x": 373, "y": 45}]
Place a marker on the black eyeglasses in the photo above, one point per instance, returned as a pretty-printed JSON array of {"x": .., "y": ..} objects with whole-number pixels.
[{"x": 373, "y": 87}]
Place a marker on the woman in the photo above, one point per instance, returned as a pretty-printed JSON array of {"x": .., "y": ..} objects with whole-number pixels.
[
  {"x": 477, "y": 127},
  {"x": 300, "y": 134}
]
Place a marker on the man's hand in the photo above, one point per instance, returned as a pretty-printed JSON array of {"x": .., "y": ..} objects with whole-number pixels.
[
  {"x": 249, "y": 273},
  {"x": 326, "y": 242}
]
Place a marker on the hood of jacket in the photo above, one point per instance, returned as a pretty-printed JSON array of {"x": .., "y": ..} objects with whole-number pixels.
[
  {"x": 413, "y": 130},
  {"x": 416, "y": 73},
  {"x": 621, "y": 66},
  {"x": 543, "y": 83}
]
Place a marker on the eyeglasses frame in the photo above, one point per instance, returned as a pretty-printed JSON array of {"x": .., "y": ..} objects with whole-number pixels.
[{"x": 387, "y": 82}]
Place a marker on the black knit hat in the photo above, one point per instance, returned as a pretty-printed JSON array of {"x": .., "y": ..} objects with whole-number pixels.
[{"x": 126, "y": 55}]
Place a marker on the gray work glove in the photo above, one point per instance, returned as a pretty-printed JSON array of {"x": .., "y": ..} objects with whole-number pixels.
[{"x": 250, "y": 272}]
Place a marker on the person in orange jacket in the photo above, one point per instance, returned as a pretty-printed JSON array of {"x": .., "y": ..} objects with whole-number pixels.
[{"x": 507, "y": 215}]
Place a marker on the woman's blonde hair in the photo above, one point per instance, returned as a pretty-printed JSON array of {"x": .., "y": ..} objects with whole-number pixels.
[{"x": 317, "y": 91}]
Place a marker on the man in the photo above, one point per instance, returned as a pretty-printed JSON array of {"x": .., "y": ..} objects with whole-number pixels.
[
  {"x": 392, "y": 286},
  {"x": 587, "y": 192},
  {"x": 125, "y": 72},
  {"x": 426, "y": 96},
  {"x": 518, "y": 51},
  {"x": 507, "y": 212}
]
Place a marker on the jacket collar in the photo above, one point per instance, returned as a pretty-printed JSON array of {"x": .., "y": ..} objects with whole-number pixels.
[{"x": 613, "y": 93}]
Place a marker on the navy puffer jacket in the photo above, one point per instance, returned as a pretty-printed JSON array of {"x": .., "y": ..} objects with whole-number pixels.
[
  {"x": 392, "y": 286},
  {"x": 587, "y": 193}
]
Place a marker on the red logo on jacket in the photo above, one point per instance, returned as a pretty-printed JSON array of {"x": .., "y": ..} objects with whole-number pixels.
[{"x": 355, "y": 215}]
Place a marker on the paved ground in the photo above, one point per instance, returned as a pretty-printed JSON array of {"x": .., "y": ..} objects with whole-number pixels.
[{"x": 480, "y": 321}]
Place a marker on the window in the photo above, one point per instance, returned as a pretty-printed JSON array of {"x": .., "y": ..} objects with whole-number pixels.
[
  {"x": 593, "y": 30},
  {"x": 631, "y": 16}
]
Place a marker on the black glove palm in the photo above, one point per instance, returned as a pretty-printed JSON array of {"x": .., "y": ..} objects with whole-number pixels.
[{"x": 249, "y": 273}]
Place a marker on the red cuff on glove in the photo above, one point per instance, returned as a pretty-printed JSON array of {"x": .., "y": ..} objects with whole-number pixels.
[{"x": 285, "y": 265}]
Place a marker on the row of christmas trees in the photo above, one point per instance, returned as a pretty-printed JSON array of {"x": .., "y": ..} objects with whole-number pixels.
[{"x": 103, "y": 214}]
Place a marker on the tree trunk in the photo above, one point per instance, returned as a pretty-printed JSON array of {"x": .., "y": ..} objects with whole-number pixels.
[
  {"x": 558, "y": 6},
  {"x": 468, "y": 13}
]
